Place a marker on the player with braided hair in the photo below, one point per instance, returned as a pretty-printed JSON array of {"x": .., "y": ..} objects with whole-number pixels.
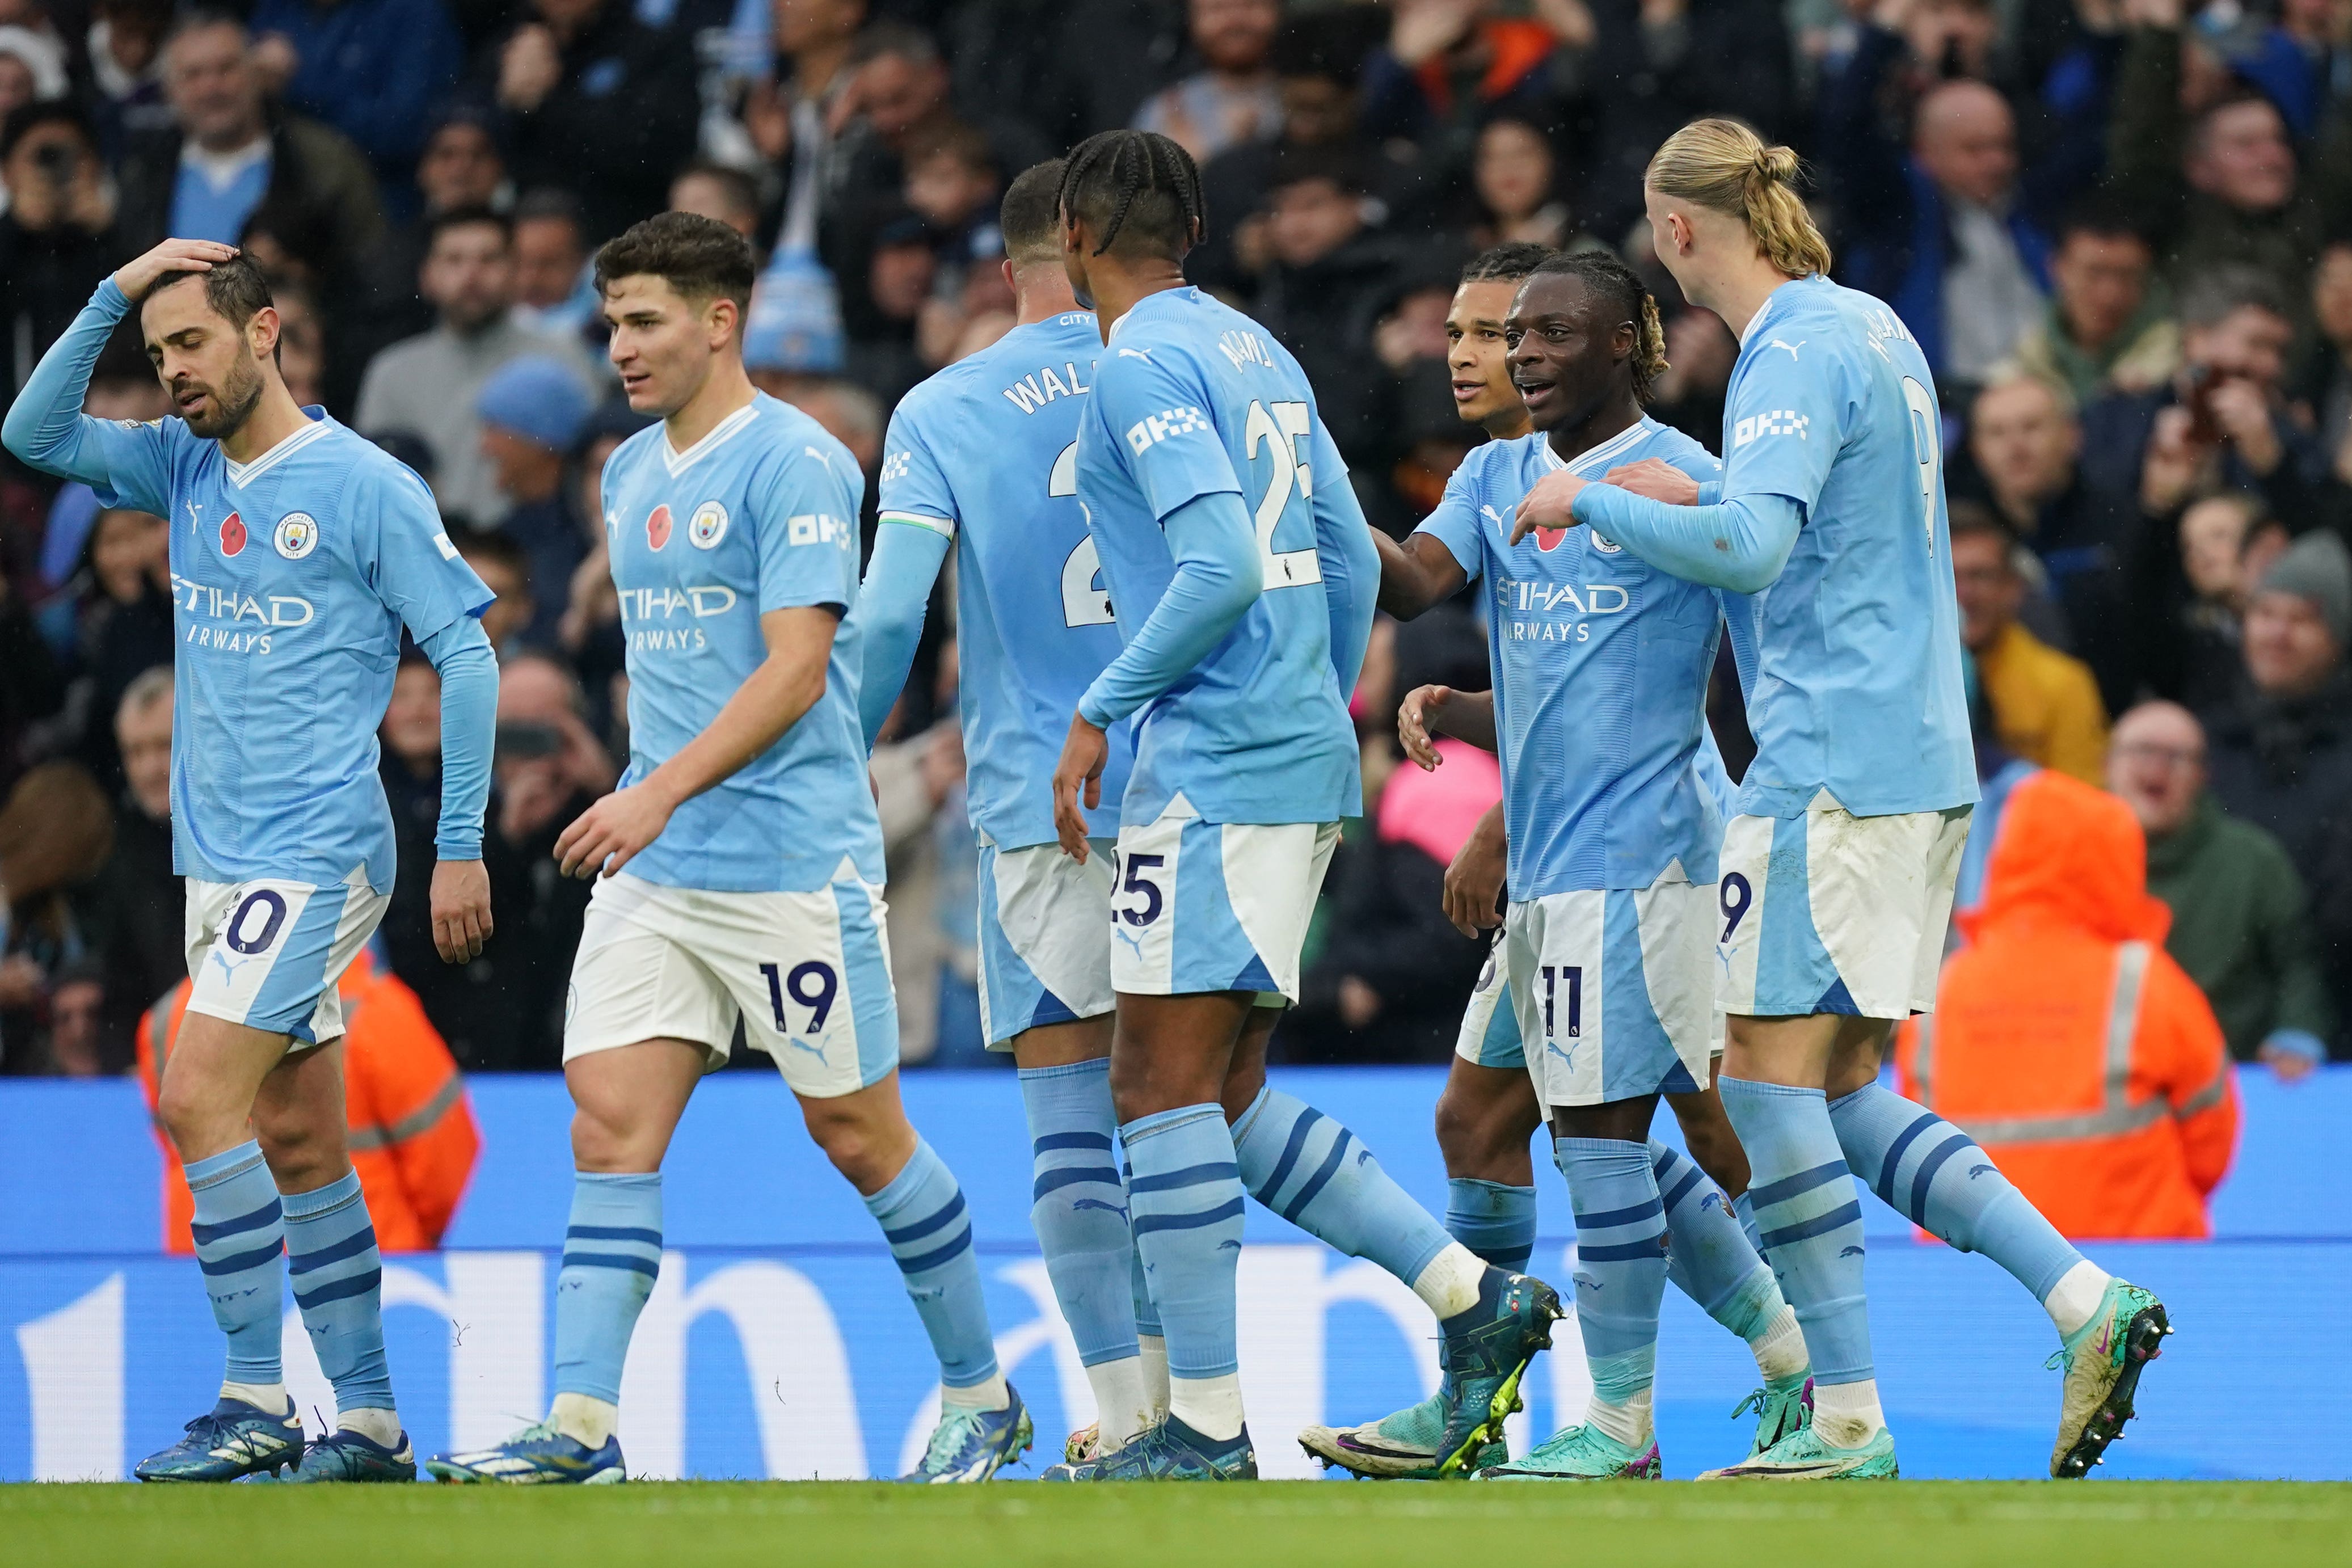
[
  {"x": 1242, "y": 575},
  {"x": 1490, "y": 1106}
]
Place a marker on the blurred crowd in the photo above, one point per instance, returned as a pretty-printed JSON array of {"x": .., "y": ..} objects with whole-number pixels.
[{"x": 2121, "y": 230}]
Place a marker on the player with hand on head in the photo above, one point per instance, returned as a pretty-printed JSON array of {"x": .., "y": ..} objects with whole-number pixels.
[
  {"x": 1853, "y": 814},
  {"x": 1242, "y": 571},
  {"x": 981, "y": 461},
  {"x": 1599, "y": 718},
  {"x": 739, "y": 867},
  {"x": 301, "y": 554}
]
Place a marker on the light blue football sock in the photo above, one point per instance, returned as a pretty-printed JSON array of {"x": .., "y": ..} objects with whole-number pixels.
[
  {"x": 1496, "y": 1221},
  {"x": 338, "y": 1278},
  {"x": 1078, "y": 1205},
  {"x": 1621, "y": 1261},
  {"x": 1932, "y": 1172},
  {"x": 611, "y": 1255},
  {"x": 1185, "y": 1204},
  {"x": 923, "y": 1217},
  {"x": 240, "y": 1232},
  {"x": 1318, "y": 1175},
  {"x": 1745, "y": 1212},
  {"x": 1711, "y": 1259},
  {"x": 1804, "y": 1200}
]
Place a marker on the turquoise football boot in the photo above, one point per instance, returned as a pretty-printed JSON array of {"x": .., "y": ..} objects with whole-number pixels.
[
  {"x": 2102, "y": 1361},
  {"x": 346, "y": 1455},
  {"x": 227, "y": 1443},
  {"x": 536, "y": 1456},
  {"x": 973, "y": 1444},
  {"x": 1580, "y": 1454},
  {"x": 1170, "y": 1451},
  {"x": 1779, "y": 1410},
  {"x": 1484, "y": 1352},
  {"x": 1802, "y": 1456},
  {"x": 1402, "y": 1446}
]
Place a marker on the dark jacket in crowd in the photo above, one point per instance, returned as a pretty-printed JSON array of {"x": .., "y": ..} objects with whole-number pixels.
[
  {"x": 136, "y": 908},
  {"x": 317, "y": 181},
  {"x": 2286, "y": 765},
  {"x": 46, "y": 277}
]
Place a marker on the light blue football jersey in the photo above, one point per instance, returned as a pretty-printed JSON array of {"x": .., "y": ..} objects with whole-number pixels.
[
  {"x": 758, "y": 515},
  {"x": 292, "y": 577},
  {"x": 1854, "y": 685},
  {"x": 1192, "y": 398},
  {"x": 986, "y": 452},
  {"x": 1601, "y": 663}
]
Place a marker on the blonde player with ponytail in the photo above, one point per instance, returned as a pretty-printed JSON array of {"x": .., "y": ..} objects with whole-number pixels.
[{"x": 1837, "y": 873}]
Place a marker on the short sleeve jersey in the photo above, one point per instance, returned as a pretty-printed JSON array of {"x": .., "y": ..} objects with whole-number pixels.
[
  {"x": 1601, "y": 663},
  {"x": 986, "y": 452},
  {"x": 1855, "y": 686},
  {"x": 758, "y": 515},
  {"x": 292, "y": 578},
  {"x": 1193, "y": 398}
]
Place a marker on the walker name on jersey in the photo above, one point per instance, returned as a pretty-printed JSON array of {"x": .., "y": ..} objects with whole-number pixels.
[
  {"x": 237, "y": 622},
  {"x": 699, "y": 603},
  {"x": 1521, "y": 597},
  {"x": 1039, "y": 387}
]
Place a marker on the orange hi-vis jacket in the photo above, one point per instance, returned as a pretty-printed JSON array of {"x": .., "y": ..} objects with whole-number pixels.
[
  {"x": 412, "y": 1138},
  {"x": 2066, "y": 1040}
]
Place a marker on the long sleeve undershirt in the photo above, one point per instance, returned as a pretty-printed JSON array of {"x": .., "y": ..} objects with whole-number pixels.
[
  {"x": 1739, "y": 545},
  {"x": 468, "y": 668},
  {"x": 1217, "y": 579},
  {"x": 891, "y": 604},
  {"x": 1351, "y": 579}
]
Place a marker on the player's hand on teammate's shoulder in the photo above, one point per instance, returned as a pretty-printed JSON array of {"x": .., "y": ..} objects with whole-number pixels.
[
  {"x": 1547, "y": 504},
  {"x": 1656, "y": 478},
  {"x": 1079, "y": 772},
  {"x": 610, "y": 834},
  {"x": 461, "y": 910},
  {"x": 1417, "y": 724},
  {"x": 135, "y": 277}
]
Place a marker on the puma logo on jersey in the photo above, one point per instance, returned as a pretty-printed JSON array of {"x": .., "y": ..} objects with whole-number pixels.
[{"x": 1792, "y": 348}]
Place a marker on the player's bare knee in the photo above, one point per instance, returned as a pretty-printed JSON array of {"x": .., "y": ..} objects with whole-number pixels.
[{"x": 609, "y": 1140}]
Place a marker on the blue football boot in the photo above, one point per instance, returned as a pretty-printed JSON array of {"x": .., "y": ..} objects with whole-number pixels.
[
  {"x": 1781, "y": 1409},
  {"x": 344, "y": 1454},
  {"x": 227, "y": 1443},
  {"x": 536, "y": 1456},
  {"x": 973, "y": 1444},
  {"x": 1484, "y": 1352},
  {"x": 1172, "y": 1451}
]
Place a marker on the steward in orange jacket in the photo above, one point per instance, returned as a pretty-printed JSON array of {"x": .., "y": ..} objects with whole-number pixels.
[
  {"x": 2066, "y": 1040},
  {"x": 412, "y": 1140}
]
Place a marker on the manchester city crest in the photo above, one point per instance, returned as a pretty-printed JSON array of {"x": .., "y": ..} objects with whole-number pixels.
[
  {"x": 296, "y": 535},
  {"x": 709, "y": 525}
]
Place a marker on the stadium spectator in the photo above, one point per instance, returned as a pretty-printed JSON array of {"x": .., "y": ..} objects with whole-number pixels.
[
  {"x": 2324, "y": 387},
  {"x": 125, "y": 628},
  {"x": 429, "y": 385},
  {"x": 2106, "y": 329},
  {"x": 599, "y": 104},
  {"x": 533, "y": 411},
  {"x": 373, "y": 70},
  {"x": 126, "y": 70},
  {"x": 56, "y": 831},
  {"x": 1448, "y": 67},
  {"x": 136, "y": 906},
  {"x": 1233, "y": 98},
  {"x": 717, "y": 192},
  {"x": 794, "y": 119},
  {"x": 553, "y": 293},
  {"x": 2046, "y": 704},
  {"x": 2067, "y": 1041},
  {"x": 460, "y": 168},
  {"x": 1515, "y": 177},
  {"x": 2241, "y": 922},
  {"x": 32, "y": 68},
  {"x": 505, "y": 570},
  {"x": 2194, "y": 658},
  {"x": 412, "y": 1138},
  {"x": 409, "y": 761},
  {"x": 55, "y": 238},
  {"x": 227, "y": 152},
  {"x": 2282, "y": 748}
]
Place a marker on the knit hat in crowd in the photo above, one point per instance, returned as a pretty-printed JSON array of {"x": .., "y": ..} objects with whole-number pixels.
[
  {"x": 2318, "y": 568},
  {"x": 540, "y": 398}
]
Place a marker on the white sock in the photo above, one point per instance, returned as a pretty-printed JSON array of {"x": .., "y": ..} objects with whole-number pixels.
[
  {"x": 991, "y": 1393},
  {"x": 1450, "y": 1284},
  {"x": 2074, "y": 1300},
  {"x": 1847, "y": 1415},
  {"x": 1155, "y": 1372},
  {"x": 376, "y": 1426},
  {"x": 1779, "y": 1350},
  {"x": 1122, "y": 1401},
  {"x": 1210, "y": 1406},
  {"x": 270, "y": 1398},
  {"x": 583, "y": 1419},
  {"x": 1629, "y": 1423}
]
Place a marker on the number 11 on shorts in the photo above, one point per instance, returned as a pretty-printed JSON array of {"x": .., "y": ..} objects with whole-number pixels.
[{"x": 1571, "y": 977}]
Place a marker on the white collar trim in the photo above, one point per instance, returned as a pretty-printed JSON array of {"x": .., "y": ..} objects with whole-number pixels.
[
  {"x": 1629, "y": 437},
  {"x": 678, "y": 462},
  {"x": 243, "y": 474}
]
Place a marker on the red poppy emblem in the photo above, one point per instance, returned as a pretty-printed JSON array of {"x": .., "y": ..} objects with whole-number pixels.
[
  {"x": 231, "y": 535},
  {"x": 657, "y": 528},
  {"x": 1549, "y": 538}
]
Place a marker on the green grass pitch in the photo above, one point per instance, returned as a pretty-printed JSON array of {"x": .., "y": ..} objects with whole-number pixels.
[{"x": 1294, "y": 1524}]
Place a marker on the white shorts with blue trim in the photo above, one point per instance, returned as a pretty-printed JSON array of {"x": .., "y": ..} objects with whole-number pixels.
[
  {"x": 267, "y": 953},
  {"x": 1490, "y": 1029},
  {"x": 1206, "y": 906},
  {"x": 1044, "y": 956},
  {"x": 1830, "y": 912},
  {"x": 1618, "y": 987},
  {"x": 808, "y": 974}
]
